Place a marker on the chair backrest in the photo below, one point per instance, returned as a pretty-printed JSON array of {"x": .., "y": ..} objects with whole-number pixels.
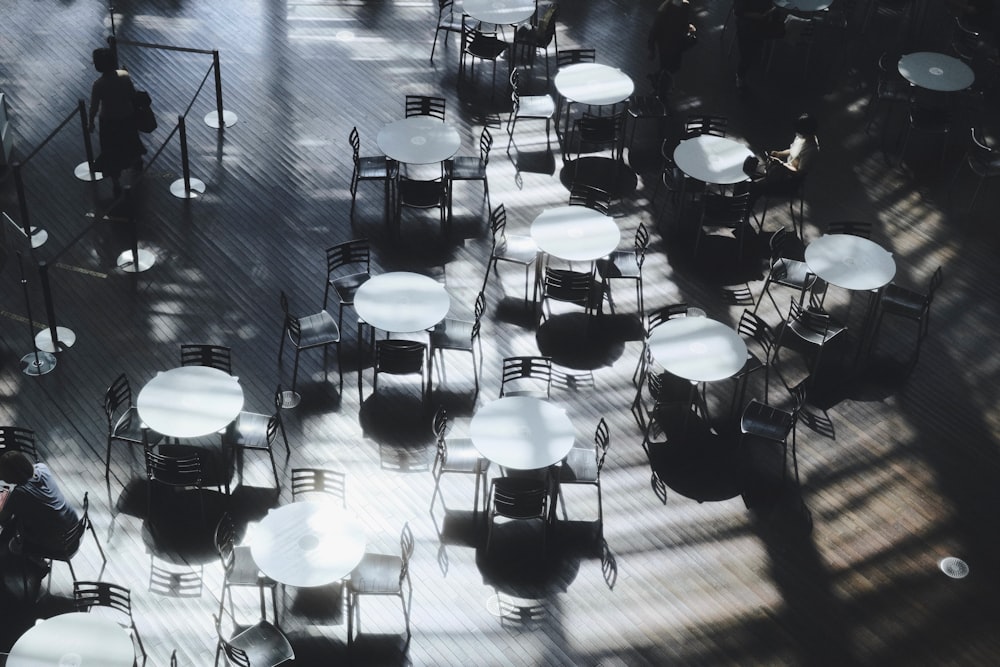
[
  {"x": 356, "y": 252},
  {"x": 355, "y": 140},
  {"x": 439, "y": 424},
  {"x": 777, "y": 243},
  {"x": 498, "y": 226},
  {"x": 213, "y": 356},
  {"x": 546, "y": 29},
  {"x": 531, "y": 369},
  {"x": 569, "y": 286},
  {"x": 225, "y": 541},
  {"x": 729, "y": 210},
  {"x": 641, "y": 243},
  {"x": 17, "y": 439},
  {"x": 90, "y": 594},
  {"x": 291, "y": 324},
  {"x": 519, "y": 498},
  {"x": 566, "y": 57},
  {"x": 446, "y": 11},
  {"x": 602, "y": 440},
  {"x": 706, "y": 124},
  {"x": 515, "y": 96},
  {"x": 809, "y": 319},
  {"x": 179, "y": 471},
  {"x": 235, "y": 655},
  {"x": 316, "y": 480},
  {"x": 661, "y": 315},
  {"x": 423, "y": 105},
  {"x": 477, "y": 313},
  {"x": 399, "y": 357},
  {"x": 485, "y": 144},
  {"x": 173, "y": 658},
  {"x": 756, "y": 329},
  {"x": 935, "y": 282},
  {"x": 582, "y": 194},
  {"x": 862, "y": 229},
  {"x": 406, "y": 545},
  {"x": 174, "y": 580},
  {"x": 602, "y": 130},
  {"x": 119, "y": 394}
]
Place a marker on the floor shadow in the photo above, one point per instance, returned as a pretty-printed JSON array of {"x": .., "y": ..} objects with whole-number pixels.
[
  {"x": 612, "y": 176},
  {"x": 580, "y": 341},
  {"x": 397, "y": 417},
  {"x": 698, "y": 463}
]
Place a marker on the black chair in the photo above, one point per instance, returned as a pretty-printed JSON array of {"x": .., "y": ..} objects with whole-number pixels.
[
  {"x": 446, "y": 22},
  {"x": 460, "y": 335},
  {"x": 644, "y": 107},
  {"x": 700, "y": 124},
  {"x": 679, "y": 186},
  {"x": 218, "y": 357},
  {"x": 566, "y": 57},
  {"x": 598, "y": 133},
  {"x": 761, "y": 421},
  {"x": 784, "y": 271},
  {"x": 982, "y": 160},
  {"x": 366, "y": 168},
  {"x": 911, "y": 305},
  {"x": 381, "y": 574},
  {"x": 727, "y": 212},
  {"x": 307, "y": 333},
  {"x": 583, "y": 465},
  {"x": 425, "y": 105},
  {"x": 653, "y": 320},
  {"x": 123, "y": 420},
  {"x": 568, "y": 286},
  {"x": 664, "y": 398},
  {"x": 518, "y": 499},
  {"x": 90, "y": 594},
  {"x": 889, "y": 90},
  {"x": 537, "y": 38},
  {"x": 260, "y": 645},
  {"x": 17, "y": 439},
  {"x": 526, "y": 376},
  {"x": 348, "y": 267},
  {"x": 515, "y": 249},
  {"x": 591, "y": 196},
  {"x": 528, "y": 107},
  {"x": 810, "y": 325},
  {"x": 760, "y": 340},
  {"x": 458, "y": 456},
  {"x": 257, "y": 431},
  {"x": 308, "y": 481},
  {"x": 239, "y": 569},
  {"x": 179, "y": 468},
  {"x": 625, "y": 265},
  {"x": 422, "y": 195},
  {"x": 473, "y": 168},
  {"x": 482, "y": 45},
  {"x": 396, "y": 356},
  {"x": 927, "y": 120}
]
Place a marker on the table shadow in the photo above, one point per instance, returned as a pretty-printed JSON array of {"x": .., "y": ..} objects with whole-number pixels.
[
  {"x": 698, "y": 463},
  {"x": 584, "y": 342},
  {"x": 613, "y": 176}
]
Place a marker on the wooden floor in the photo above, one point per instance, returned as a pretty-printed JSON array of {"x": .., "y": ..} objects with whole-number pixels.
[{"x": 897, "y": 470}]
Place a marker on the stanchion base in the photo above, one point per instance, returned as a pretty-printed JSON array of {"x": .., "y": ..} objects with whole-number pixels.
[
  {"x": 43, "y": 341},
  {"x": 146, "y": 261},
  {"x": 290, "y": 399},
  {"x": 38, "y": 237},
  {"x": 82, "y": 171},
  {"x": 177, "y": 189},
  {"x": 38, "y": 363},
  {"x": 228, "y": 117}
]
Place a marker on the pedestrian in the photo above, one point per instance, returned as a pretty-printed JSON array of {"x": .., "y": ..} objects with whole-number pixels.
[
  {"x": 756, "y": 22},
  {"x": 671, "y": 34},
  {"x": 111, "y": 101}
]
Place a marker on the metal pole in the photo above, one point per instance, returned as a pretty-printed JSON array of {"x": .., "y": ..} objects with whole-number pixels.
[
  {"x": 88, "y": 145},
  {"x": 50, "y": 310},
  {"x": 218, "y": 88},
  {"x": 185, "y": 167},
  {"x": 22, "y": 202},
  {"x": 35, "y": 362}
]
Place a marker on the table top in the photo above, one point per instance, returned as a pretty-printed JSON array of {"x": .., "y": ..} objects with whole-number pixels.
[
  {"x": 698, "y": 348},
  {"x": 575, "y": 233},
  {"x": 190, "y": 401},
  {"x": 936, "y": 71},
  {"x": 593, "y": 83},
  {"x": 851, "y": 262},
  {"x": 78, "y": 639},
  {"x": 402, "y": 302},
  {"x": 419, "y": 140},
  {"x": 804, "y": 6},
  {"x": 522, "y": 433},
  {"x": 712, "y": 159},
  {"x": 506, "y": 12},
  {"x": 307, "y": 543}
]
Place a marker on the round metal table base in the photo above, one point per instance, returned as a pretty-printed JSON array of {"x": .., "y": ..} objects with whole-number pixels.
[
  {"x": 82, "y": 171},
  {"x": 228, "y": 117},
  {"x": 956, "y": 568},
  {"x": 290, "y": 399},
  {"x": 43, "y": 341},
  {"x": 38, "y": 363},
  {"x": 197, "y": 188},
  {"x": 38, "y": 237},
  {"x": 146, "y": 260}
]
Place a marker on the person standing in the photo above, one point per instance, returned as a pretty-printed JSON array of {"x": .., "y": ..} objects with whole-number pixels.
[
  {"x": 111, "y": 103},
  {"x": 670, "y": 35},
  {"x": 756, "y": 22}
]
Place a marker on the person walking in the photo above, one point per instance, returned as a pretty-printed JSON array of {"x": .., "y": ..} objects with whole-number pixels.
[
  {"x": 111, "y": 103},
  {"x": 671, "y": 34}
]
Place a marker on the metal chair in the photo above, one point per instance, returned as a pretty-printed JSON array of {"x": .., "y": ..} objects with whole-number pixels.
[
  {"x": 218, "y": 357},
  {"x": 757, "y": 334},
  {"x": 528, "y": 107},
  {"x": 653, "y": 320},
  {"x": 239, "y": 568},
  {"x": 123, "y": 420},
  {"x": 785, "y": 271},
  {"x": 539, "y": 38},
  {"x": 308, "y": 481},
  {"x": 307, "y": 333},
  {"x": 599, "y": 133},
  {"x": 568, "y": 286},
  {"x": 983, "y": 161},
  {"x": 526, "y": 376},
  {"x": 583, "y": 465},
  {"x": 810, "y": 325},
  {"x": 348, "y": 267},
  {"x": 725, "y": 211},
  {"x": 518, "y": 499},
  {"x": 17, "y": 439},
  {"x": 425, "y": 105},
  {"x": 260, "y": 645},
  {"x": 396, "y": 356},
  {"x": 459, "y": 456},
  {"x": 366, "y": 168},
  {"x": 515, "y": 249},
  {"x": 446, "y": 22},
  {"x": 910, "y": 305},
  {"x": 667, "y": 398},
  {"x": 460, "y": 335},
  {"x": 928, "y": 120},
  {"x": 421, "y": 195},
  {"x": 470, "y": 168},
  {"x": 484, "y": 45},
  {"x": 591, "y": 196},
  {"x": 178, "y": 468},
  {"x": 700, "y": 124},
  {"x": 566, "y": 57},
  {"x": 256, "y": 431},
  {"x": 761, "y": 421},
  {"x": 90, "y": 594},
  {"x": 644, "y": 107},
  {"x": 381, "y": 574},
  {"x": 625, "y": 265},
  {"x": 888, "y": 90}
]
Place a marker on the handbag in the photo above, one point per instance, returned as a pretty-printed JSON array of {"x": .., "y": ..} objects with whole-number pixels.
[{"x": 142, "y": 111}]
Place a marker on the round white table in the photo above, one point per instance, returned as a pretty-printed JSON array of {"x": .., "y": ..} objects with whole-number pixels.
[
  {"x": 850, "y": 262},
  {"x": 522, "y": 433},
  {"x": 419, "y": 140},
  {"x": 712, "y": 159},
  {"x": 575, "y": 233},
  {"x": 936, "y": 71},
  {"x": 402, "y": 302},
  {"x": 698, "y": 349},
  {"x": 594, "y": 84},
  {"x": 499, "y": 12},
  {"x": 307, "y": 543},
  {"x": 78, "y": 639},
  {"x": 190, "y": 401}
]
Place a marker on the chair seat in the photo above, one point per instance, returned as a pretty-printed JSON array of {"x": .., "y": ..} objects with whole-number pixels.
[
  {"x": 763, "y": 421},
  {"x": 264, "y": 644},
  {"x": 579, "y": 466},
  {"x": 901, "y": 301},
  {"x": 467, "y": 168},
  {"x": 452, "y": 334},
  {"x": 249, "y": 431},
  {"x": 347, "y": 286},
  {"x": 619, "y": 264},
  {"x": 318, "y": 329},
  {"x": 536, "y": 106},
  {"x": 792, "y": 273},
  {"x": 244, "y": 571},
  {"x": 421, "y": 194},
  {"x": 812, "y": 335},
  {"x": 463, "y": 457},
  {"x": 486, "y": 47},
  {"x": 521, "y": 249},
  {"x": 646, "y": 106},
  {"x": 372, "y": 168},
  {"x": 129, "y": 429},
  {"x": 377, "y": 574}
]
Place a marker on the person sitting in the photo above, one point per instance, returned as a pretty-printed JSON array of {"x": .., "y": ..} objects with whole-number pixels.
[
  {"x": 784, "y": 170},
  {"x": 34, "y": 511}
]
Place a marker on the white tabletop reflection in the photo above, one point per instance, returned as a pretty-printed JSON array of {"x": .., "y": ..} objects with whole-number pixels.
[
  {"x": 190, "y": 401},
  {"x": 402, "y": 302},
  {"x": 575, "y": 233},
  {"x": 850, "y": 262},
  {"x": 698, "y": 348},
  {"x": 78, "y": 639},
  {"x": 593, "y": 83},
  {"x": 522, "y": 433},
  {"x": 936, "y": 71},
  {"x": 419, "y": 140}
]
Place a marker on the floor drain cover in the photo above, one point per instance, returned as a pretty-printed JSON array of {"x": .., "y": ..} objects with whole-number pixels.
[{"x": 956, "y": 568}]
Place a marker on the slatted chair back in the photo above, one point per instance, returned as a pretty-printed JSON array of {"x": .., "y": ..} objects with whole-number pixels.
[
  {"x": 212, "y": 356},
  {"x": 184, "y": 471},
  {"x": 593, "y": 197},
  {"x": 533, "y": 369},
  {"x": 602, "y": 441},
  {"x": 399, "y": 357},
  {"x": 406, "y": 546},
  {"x": 754, "y": 328},
  {"x": 569, "y": 286},
  {"x": 18, "y": 439},
  {"x": 705, "y": 124},
  {"x": 424, "y": 105},
  {"x": 567, "y": 57},
  {"x": 519, "y": 498},
  {"x": 661, "y": 315},
  {"x": 292, "y": 324},
  {"x": 355, "y": 254},
  {"x": 90, "y": 594}
]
